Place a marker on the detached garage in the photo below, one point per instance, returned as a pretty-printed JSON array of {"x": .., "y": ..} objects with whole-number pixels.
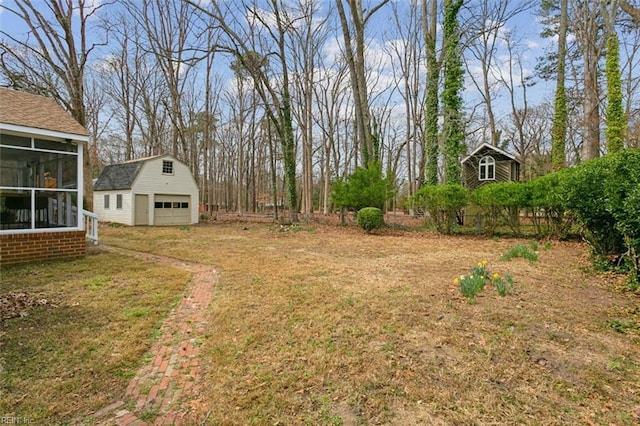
[{"x": 150, "y": 191}]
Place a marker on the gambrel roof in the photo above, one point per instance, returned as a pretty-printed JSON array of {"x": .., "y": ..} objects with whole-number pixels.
[
  {"x": 122, "y": 175},
  {"x": 24, "y": 110}
]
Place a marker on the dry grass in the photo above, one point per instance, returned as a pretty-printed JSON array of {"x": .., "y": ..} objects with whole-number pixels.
[
  {"x": 74, "y": 355},
  {"x": 327, "y": 325}
]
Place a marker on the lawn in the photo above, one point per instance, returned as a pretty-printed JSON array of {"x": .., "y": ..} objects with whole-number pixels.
[
  {"x": 64, "y": 359},
  {"x": 326, "y": 325}
]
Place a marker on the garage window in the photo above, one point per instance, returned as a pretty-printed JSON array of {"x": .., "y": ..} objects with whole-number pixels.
[
  {"x": 167, "y": 167},
  {"x": 158, "y": 204},
  {"x": 184, "y": 205}
]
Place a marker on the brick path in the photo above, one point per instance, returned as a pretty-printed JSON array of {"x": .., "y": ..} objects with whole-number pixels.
[{"x": 161, "y": 391}]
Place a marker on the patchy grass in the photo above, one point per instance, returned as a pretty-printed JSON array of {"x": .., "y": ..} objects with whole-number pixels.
[
  {"x": 525, "y": 251},
  {"x": 75, "y": 355},
  {"x": 336, "y": 327}
]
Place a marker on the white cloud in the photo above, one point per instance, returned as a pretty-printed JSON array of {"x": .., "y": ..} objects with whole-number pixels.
[{"x": 532, "y": 44}]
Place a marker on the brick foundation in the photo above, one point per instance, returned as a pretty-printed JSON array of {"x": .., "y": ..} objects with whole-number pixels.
[{"x": 35, "y": 247}]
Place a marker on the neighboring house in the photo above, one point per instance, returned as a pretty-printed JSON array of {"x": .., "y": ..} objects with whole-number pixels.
[
  {"x": 489, "y": 164},
  {"x": 486, "y": 164},
  {"x": 41, "y": 171},
  {"x": 156, "y": 190}
]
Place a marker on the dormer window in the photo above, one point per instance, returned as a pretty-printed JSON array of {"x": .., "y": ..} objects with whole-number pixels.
[
  {"x": 487, "y": 168},
  {"x": 167, "y": 167}
]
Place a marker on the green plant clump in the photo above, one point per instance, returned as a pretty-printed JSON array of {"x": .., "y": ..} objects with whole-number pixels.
[
  {"x": 478, "y": 277},
  {"x": 370, "y": 218},
  {"x": 529, "y": 252}
]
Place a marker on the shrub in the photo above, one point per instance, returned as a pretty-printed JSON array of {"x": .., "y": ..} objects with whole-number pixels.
[
  {"x": 364, "y": 188},
  {"x": 604, "y": 194},
  {"x": 586, "y": 196},
  {"x": 501, "y": 203},
  {"x": 370, "y": 218},
  {"x": 547, "y": 205},
  {"x": 441, "y": 202}
]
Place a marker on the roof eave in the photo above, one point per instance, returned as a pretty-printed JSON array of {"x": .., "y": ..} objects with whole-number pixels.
[
  {"x": 494, "y": 148},
  {"x": 44, "y": 132}
]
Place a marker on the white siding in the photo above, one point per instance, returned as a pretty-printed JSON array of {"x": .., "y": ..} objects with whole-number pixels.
[
  {"x": 152, "y": 181},
  {"x": 113, "y": 214}
]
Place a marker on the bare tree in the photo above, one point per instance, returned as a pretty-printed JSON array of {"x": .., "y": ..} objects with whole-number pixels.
[
  {"x": 331, "y": 98},
  {"x": 353, "y": 30},
  {"x": 52, "y": 59},
  {"x": 268, "y": 38},
  {"x": 587, "y": 24},
  {"x": 122, "y": 75},
  {"x": 631, "y": 10},
  {"x": 308, "y": 36},
  {"x": 168, "y": 32},
  {"x": 406, "y": 47},
  {"x": 483, "y": 34},
  {"x": 516, "y": 83}
]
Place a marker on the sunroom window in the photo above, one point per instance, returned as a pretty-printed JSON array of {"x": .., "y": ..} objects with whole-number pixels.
[
  {"x": 38, "y": 183},
  {"x": 487, "y": 168}
]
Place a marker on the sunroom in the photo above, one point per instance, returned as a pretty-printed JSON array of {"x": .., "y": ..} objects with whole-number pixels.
[
  {"x": 39, "y": 183},
  {"x": 41, "y": 180}
]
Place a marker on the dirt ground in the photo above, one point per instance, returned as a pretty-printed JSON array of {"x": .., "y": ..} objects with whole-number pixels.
[{"x": 322, "y": 324}]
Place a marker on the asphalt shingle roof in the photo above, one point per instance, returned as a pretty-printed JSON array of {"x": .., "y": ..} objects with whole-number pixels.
[
  {"x": 120, "y": 176},
  {"x": 117, "y": 176},
  {"x": 24, "y": 109}
]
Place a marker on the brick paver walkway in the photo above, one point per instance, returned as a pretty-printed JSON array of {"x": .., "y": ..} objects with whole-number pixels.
[{"x": 161, "y": 391}]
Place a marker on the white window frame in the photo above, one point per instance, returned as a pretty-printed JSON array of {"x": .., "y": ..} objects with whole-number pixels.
[
  {"x": 487, "y": 166},
  {"x": 167, "y": 167},
  {"x": 118, "y": 201},
  {"x": 106, "y": 201},
  {"x": 45, "y": 135}
]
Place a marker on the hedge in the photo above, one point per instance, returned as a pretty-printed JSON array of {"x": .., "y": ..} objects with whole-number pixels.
[{"x": 442, "y": 203}]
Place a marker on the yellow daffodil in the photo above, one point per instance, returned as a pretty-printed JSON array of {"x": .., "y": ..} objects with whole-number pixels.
[
  {"x": 496, "y": 275},
  {"x": 456, "y": 281}
]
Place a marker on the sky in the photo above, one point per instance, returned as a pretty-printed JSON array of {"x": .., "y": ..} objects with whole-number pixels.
[{"x": 524, "y": 27}]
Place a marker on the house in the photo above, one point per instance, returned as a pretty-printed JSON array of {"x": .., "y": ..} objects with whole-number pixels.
[
  {"x": 41, "y": 180},
  {"x": 156, "y": 190},
  {"x": 486, "y": 164},
  {"x": 489, "y": 164}
]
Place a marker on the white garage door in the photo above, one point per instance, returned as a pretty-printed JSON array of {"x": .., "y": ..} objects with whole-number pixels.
[{"x": 172, "y": 210}]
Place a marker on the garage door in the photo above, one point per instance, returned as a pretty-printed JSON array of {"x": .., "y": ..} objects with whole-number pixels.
[{"x": 172, "y": 210}]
